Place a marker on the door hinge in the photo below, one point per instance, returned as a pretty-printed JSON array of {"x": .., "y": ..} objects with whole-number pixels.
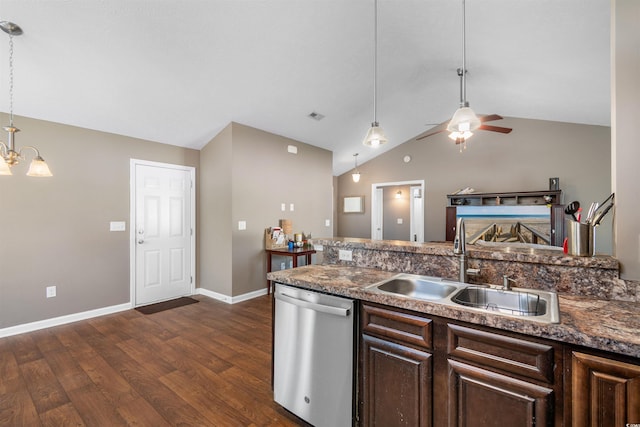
[{"x": 191, "y": 279}]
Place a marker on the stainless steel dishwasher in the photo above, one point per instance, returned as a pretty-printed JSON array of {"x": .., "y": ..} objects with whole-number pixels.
[{"x": 313, "y": 356}]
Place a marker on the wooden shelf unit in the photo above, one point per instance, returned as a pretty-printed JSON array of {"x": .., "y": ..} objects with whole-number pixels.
[
  {"x": 509, "y": 199},
  {"x": 522, "y": 198}
]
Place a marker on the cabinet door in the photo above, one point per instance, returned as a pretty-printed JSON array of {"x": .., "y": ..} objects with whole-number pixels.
[
  {"x": 482, "y": 398},
  {"x": 605, "y": 392},
  {"x": 396, "y": 384}
]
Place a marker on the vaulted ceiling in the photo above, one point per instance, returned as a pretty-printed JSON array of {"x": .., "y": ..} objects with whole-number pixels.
[{"x": 177, "y": 72}]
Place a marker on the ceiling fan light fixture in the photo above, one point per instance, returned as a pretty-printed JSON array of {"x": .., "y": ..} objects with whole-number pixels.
[
  {"x": 375, "y": 136},
  {"x": 456, "y": 136},
  {"x": 464, "y": 120}
]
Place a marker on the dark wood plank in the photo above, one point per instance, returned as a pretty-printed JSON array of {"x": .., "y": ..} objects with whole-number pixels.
[
  {"x": 65, "y": 415},
  {"x": 45, "y": 390},
  {"x": 206, "y": 364}
]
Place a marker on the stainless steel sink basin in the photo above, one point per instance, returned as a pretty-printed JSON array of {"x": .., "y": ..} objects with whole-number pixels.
[
  {"x": 415, "y": 286},
  {"x": 540, "y": 305}
]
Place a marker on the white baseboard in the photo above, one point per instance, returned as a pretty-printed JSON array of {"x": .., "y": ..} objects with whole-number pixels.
[
  {"x": 227, "y": 298},
  {"x": 62, "y": 320},
  {"x": 70, "y": 318}
]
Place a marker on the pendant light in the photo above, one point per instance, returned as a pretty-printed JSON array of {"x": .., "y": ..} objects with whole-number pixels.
[
  {"x": 356, "y": 175},
  {"x": 464, "y": 120},
  {"x": 375, "y": 136},
  {"x": 9, "y": 154}
]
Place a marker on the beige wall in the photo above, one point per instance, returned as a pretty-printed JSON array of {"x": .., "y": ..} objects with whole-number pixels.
[
  {"x": 215, "y": 235},
  {"x": 625, "y": 112},
  {"x": 394, "y": 208},
  {"x": 263, "y": 176},
  {"x": 523, "y": 160},
  {"x": 55, "y": 231}
]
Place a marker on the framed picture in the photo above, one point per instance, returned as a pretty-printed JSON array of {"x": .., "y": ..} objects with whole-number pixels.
[{"x": 353, "y": 204}]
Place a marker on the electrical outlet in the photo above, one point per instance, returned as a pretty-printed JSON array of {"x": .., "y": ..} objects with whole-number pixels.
[
  {"x": 51, "y": 291},
  {"x": 283, "y": 266},
  {"x": 327, "y": 223},
  {"x": 345, "y": 255}
]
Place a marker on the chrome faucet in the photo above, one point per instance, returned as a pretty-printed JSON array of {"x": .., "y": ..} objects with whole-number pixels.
[
  {"x": 460, "y": 249},
  {"x": 506, "y": 282}
]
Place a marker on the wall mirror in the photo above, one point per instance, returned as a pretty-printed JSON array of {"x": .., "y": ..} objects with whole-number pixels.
[{"x": 353, "y": 204}]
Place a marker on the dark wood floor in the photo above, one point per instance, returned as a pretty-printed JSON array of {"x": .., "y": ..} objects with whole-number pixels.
[{"x": 205, "y": 364}]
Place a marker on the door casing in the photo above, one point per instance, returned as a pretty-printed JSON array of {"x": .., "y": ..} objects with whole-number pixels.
[{"x": 132, "y": 220}]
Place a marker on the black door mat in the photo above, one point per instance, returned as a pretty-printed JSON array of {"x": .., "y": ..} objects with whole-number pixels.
[{"x": 166, "y": 305}]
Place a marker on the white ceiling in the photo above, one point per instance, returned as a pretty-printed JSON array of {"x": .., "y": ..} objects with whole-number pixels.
[{"x": 177, "y": 72}]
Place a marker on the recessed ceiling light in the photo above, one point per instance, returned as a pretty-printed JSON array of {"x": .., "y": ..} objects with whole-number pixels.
[{"x": 316, "y": 116}]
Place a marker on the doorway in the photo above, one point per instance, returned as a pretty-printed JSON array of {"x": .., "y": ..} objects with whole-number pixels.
[
  {"x": 392, "y": 204},
  {"x": 162, "y": 231}
]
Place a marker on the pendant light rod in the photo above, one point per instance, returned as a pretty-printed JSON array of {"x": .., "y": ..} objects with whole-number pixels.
[
  {"x": 375, "y": 63},
  {"x": 375, "y": 135},
  {"x": 463, "y": 100}
]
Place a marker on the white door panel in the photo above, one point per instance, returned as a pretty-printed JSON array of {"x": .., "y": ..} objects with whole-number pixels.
[{"x": 163, "y": 238}]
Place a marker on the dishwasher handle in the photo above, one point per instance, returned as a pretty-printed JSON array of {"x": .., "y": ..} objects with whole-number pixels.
[{"x": 336, "y": 311}]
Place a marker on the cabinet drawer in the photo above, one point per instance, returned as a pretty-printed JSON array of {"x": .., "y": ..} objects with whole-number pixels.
[
  {"x": 404, "y": 327},
  {"x": 512, "y": 355}
]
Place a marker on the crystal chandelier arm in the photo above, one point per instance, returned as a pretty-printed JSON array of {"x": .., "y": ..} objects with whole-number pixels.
[{"x": 4, "y": 150}]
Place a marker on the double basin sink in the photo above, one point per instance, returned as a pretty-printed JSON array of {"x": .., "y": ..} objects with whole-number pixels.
[{"x": 541, "y": 306}]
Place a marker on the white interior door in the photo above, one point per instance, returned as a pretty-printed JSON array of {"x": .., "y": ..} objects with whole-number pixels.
[
  {"x": 162, "y": 232},
  {"x": 416, "y": 206},
  {"x": 377, "y": 209}
]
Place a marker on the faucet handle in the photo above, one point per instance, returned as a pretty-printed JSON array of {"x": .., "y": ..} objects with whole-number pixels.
[{"x": 506, "y": 282}]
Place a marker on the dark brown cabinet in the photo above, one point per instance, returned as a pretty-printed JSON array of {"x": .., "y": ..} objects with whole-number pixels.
[
  {"x": 500, "y": 380},
  {"x": 396, "y": 368},
  {"x": 605, "y": 391},
  {"x": 483, "y": 398},
  {"x": 428, "y": 371},
  {"x": 420, "y": 370}
]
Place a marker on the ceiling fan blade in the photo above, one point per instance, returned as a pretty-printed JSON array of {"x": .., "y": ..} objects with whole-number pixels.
[
  {"x": 490, "y": 118},
  {"x": 434, "y": 130},
  {"x": 495, "y": 128},
  {"x": 430, "y": 134}
]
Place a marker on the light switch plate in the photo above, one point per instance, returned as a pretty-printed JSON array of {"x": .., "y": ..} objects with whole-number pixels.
[
  {"x": 344, "y": 255},
  {"x": 117, "y": 226},
  {"x": 291, "y": 207},
  {"x": 399, "y": 220},
  {"x": 242, "y": 225},
  {"x": 283, "y": 207}
]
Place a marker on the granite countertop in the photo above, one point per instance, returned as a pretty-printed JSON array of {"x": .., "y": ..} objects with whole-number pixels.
[
  {"x": 490, "y": 251},
  {"x": 604, "y": 325}
]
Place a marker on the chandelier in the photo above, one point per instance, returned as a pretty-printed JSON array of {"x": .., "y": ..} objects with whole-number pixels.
[{"x": 9, "y": 154}]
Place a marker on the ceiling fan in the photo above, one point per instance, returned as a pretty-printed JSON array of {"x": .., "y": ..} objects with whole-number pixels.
[{"x": 464, "y": 121}]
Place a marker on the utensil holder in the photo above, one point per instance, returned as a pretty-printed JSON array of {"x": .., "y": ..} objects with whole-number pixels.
[{"x": 580, "y": 239}]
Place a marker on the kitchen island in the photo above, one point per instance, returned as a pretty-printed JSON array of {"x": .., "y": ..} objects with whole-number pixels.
[{"x": 434, "y": 363}]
